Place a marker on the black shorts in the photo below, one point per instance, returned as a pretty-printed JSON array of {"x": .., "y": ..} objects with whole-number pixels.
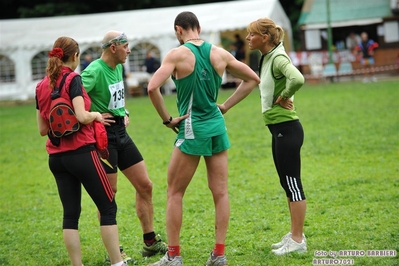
[{"x": 123, "y": 153}]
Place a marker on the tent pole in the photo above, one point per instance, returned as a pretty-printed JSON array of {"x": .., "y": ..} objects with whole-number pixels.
[
  {"x": 329, "y": 33},
  {"x": 329, "y": 39}
]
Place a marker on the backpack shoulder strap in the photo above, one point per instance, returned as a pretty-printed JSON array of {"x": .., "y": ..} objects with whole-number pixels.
[
  {"x": 63, "y": 81},
  {"x": 57, "y": 90}
]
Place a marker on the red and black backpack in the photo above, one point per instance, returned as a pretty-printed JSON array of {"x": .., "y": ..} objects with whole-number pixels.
[{"x": 62, "y": 119}]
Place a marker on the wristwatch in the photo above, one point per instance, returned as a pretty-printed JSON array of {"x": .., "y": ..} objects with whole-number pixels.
[{"x": 168, "y": 121}]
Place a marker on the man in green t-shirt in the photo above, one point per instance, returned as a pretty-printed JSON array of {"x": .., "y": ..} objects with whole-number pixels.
[{"x": 103, "y": 81}]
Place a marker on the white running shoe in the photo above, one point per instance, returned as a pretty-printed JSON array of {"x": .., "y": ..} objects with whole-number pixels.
[
  {"x": 291, "y": 246},
  {"x": 165, "y": 261},
  {"x": 216, "y": 261},
  {"x": 282, "y": 242}
]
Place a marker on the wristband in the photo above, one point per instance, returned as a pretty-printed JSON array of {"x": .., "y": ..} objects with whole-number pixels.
[
  {"x": 168, "y": 121},
  {"x": 127, "y": 113}
]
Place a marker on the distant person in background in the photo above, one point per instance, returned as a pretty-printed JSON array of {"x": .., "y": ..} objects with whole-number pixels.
[
  {"x": 397, "y": 61},
  {"x": 366, "y": 49},
  {"x": 151, "y": 63},
  {"x": 254, "y": 58},
  {"x": 352, "y": 41},
  {"x": 124, "y": 77},
  {"x": 87, "y": 60},
  {"x": 239, "y": 48}
]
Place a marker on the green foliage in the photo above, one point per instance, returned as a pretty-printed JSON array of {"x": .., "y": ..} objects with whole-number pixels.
[
  {"x": 350, "y": 172},
  {"x": 293, "y": 10},
  {"x": 53, "y": 9},
  {"x": 49, "y": 8}
]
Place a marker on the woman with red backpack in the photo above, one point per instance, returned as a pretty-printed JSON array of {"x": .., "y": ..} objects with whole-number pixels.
[{"x": 73, "y": 158}]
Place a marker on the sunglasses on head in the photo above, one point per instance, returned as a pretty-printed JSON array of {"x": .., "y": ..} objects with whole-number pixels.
[{"x": 120, "y": 39}]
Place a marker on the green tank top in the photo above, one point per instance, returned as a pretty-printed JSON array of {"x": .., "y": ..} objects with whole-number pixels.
[{"x": 197, "y": 94}]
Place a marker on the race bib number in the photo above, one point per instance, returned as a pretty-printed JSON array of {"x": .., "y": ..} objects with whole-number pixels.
[{"x": 117, "y": 99}]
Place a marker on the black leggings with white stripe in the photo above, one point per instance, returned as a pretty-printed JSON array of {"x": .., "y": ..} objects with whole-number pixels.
[{"x": 287, "y": 140}]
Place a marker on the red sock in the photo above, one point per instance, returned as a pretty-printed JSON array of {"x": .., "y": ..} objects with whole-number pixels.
[
  {"x": 218, "y": 250},
  {"x": 173, "y": 251}
]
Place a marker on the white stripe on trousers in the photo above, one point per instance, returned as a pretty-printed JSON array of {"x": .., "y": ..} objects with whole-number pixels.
[{"x": 294, "y": 189}]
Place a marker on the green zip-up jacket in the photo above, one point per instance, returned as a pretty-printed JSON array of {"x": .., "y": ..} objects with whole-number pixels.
[{"x": 279, "y": 77}]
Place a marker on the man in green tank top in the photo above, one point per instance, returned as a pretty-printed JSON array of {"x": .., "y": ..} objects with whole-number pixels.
[{"x": 196, "y": 68}]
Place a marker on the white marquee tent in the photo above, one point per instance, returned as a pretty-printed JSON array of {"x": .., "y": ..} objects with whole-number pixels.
[{"x": 22, "y": 39}]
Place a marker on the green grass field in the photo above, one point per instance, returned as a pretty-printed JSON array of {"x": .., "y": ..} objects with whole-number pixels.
[{"x": 350, "y": 171}]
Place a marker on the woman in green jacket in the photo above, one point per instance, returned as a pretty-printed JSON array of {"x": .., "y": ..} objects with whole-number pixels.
[{"x": 280, "y": 79}]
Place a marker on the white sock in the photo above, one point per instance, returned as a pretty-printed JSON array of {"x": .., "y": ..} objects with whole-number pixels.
[{"x": 118, "y": 264}]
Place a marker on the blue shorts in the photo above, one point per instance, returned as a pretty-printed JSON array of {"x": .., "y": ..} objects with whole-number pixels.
[
  {"x": 205, "y": 146},
  {"x": 367, "y": 61}
]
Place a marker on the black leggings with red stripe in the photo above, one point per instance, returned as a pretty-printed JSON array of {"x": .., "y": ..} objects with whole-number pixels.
[
  {"x": 287, "y": 140},
  {"x": 82, "y": 167}
]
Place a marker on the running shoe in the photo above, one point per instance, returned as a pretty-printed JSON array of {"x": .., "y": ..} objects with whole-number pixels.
[
  {"x": 216, "y": 261},
  {"x": 282, "y": 242},
  {"x": 291, "y": 246},
  {"x": 126, "y": 259},
  {"x": 157, "y": 247},
  {"x": 166, "y": 261}
]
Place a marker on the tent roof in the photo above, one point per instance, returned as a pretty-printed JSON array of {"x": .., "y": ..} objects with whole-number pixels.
[
  {"x": 343, "y": 12},
  {"x": 137, "y": 24}
]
